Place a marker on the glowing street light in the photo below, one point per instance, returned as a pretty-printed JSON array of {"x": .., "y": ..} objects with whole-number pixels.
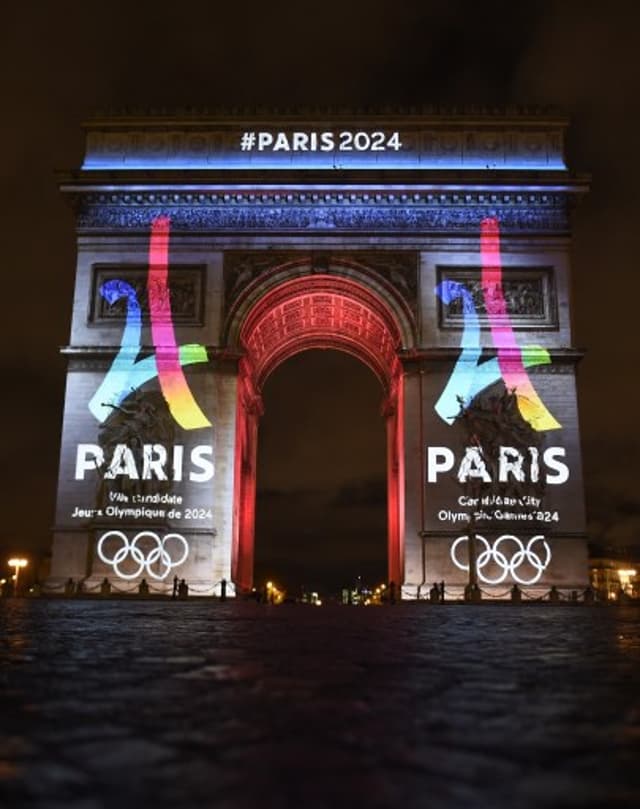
[
  {"x": 625, "y": 577},
  {"x": 273, "y": 594},
  {"x": 17, "y": 564}
]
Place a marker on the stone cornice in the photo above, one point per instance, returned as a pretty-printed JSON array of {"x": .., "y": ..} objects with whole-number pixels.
[
  {"x": 268, "y": 113},
  {"x": 412, "y": 358},
  {"x": 315, "y": 210},
  {"x": 562, "y": 359},
  {"x": 247, "y": 181},
  {"x": 100, "y": 357}
]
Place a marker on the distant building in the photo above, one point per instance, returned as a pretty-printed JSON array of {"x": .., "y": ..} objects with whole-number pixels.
[{"x": 615, "y": 571}]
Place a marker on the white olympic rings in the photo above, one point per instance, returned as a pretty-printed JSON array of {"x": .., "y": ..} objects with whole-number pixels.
[
  {"x": 130, "y": 548},
  {"x": 491, "y": 553}
]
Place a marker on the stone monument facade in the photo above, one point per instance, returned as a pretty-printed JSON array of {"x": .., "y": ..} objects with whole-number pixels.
[{"x": 210, "y": 248}]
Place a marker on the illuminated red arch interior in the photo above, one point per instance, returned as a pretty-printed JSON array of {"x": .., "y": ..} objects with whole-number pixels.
[{"x": 315, "y": 311}]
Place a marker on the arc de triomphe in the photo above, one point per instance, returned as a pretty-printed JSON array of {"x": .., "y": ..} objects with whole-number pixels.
[{"x": 210, "y": 248}]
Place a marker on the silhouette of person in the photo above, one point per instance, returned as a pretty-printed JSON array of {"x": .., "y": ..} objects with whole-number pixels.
[{"x": 392, "y": 592}]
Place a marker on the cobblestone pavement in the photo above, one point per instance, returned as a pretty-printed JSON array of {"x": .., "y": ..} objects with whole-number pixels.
[{"x": 152, "y": 704}]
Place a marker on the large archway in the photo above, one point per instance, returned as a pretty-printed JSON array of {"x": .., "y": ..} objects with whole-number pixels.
[
  {"x": 319, "y": 310},
  {"x": 321, "y": 500}
]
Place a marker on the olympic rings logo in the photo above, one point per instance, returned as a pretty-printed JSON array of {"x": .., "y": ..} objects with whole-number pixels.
[
  {"x": 537, "y": 559},
  {"x": 157, "y": 554}
]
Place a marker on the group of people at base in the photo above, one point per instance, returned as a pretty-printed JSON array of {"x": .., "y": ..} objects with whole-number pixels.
[
  {"x": 436, "y": 593},
  {"x": 180, "y": 588},
  {"x": 473, "y": 593}
]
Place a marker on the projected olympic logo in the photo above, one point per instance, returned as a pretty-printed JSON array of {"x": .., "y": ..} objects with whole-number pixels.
[
  {"x": 128, "y": 372},
  {"x": 523, "y": 555},
  {"x": 473, "y": 372},
  {"x": 144, "y": 559}
]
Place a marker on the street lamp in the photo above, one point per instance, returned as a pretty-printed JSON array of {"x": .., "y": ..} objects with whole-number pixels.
[{"x": 17, "y": 564}]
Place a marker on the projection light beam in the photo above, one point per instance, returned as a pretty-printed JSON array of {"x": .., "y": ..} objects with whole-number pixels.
[
  {"x": 183, "y": 406},
  {"x": 512, "y": 369}
]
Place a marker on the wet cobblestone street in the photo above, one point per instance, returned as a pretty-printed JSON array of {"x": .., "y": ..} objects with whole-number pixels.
[{"x": 122, "y": 703}]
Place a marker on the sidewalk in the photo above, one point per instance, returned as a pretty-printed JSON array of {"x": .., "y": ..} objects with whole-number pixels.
[{"x": 107, "y": 702}]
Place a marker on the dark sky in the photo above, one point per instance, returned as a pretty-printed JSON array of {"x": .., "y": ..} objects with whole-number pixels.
[
  {"x": 321, "y": 507},
  {"x": 64, "y": 61}
]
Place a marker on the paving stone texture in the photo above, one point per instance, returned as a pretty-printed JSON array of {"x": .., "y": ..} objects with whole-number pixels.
[{"x": 196, "y": 704}]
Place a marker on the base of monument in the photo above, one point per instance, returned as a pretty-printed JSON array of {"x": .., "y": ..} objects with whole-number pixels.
[
  {"x": 95, "y": 586},
  {"x": 501, "y": 593}
]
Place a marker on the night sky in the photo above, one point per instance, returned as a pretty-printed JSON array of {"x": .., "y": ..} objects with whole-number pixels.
[{"x": 66, "y": 61}]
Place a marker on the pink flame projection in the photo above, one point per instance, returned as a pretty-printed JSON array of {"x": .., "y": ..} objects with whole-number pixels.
[
  {"x": 510, "y": 362},
  {"x": 183, "y": 406}
]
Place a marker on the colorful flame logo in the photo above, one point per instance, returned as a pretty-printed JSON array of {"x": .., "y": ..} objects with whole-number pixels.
[
  {"x": 128, "y": 373},
  {"x": 470, "y": 376}
]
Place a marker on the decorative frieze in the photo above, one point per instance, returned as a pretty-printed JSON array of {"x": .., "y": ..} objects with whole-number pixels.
[
  {"x": 185, "y": 293},
  {"x": 306, "y": 211},
  {"x": 395, "y": 267},
  {"x": 529, "y": 294}
]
